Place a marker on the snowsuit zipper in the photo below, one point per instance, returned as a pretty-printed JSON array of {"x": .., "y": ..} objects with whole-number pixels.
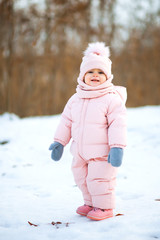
[{"x": 82, "y": 126}]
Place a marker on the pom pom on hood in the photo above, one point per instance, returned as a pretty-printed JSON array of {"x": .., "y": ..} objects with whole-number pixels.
[{"x": 97, "y": 48}]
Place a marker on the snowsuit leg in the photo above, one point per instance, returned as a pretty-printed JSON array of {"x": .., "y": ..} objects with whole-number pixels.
[
  {"x": 101, "y": 181},
  {"x": 96, "y": 179},
  {"x": 80, "y": 171}
]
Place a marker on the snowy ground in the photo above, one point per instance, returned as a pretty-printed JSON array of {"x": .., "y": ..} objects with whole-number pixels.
[{"x": 34, "y": 188}]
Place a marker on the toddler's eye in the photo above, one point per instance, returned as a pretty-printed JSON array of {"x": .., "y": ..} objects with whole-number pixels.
[
  {"x": 101, "y": 72},
  {"x": 90, "y": 72}
]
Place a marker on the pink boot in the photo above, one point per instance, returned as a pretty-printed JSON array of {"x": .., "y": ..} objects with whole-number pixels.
[
  {"x": 100, "y": 214},
  {"x": 84, "y": 210}
]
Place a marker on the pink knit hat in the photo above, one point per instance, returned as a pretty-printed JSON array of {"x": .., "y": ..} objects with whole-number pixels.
[{"x": 96, "y": 56}]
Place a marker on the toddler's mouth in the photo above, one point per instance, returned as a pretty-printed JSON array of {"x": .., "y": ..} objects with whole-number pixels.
[{"x": 94, "y": 80}]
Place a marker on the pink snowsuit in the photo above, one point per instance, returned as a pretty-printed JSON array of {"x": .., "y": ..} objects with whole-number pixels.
[{"x": 96, "y": 121}]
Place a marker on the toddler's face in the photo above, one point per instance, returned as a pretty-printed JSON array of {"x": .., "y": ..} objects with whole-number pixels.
[{"x": 95, "y": 77}]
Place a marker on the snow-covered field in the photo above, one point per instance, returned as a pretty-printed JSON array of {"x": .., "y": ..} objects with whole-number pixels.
[{"x": 34, "y": 188}]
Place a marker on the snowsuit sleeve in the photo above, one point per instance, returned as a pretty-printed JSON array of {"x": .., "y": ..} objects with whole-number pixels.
[
  {"x": 63, "y": 131},
  {"x": 117, "y": 126}
]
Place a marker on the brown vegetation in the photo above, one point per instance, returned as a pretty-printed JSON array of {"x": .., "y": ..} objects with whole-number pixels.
[{"x": 41, "y": 50}]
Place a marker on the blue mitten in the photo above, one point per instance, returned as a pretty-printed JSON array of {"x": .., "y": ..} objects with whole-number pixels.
[
  {"x": 115, "y": 156},
  {"x": 57, "y": 151}
]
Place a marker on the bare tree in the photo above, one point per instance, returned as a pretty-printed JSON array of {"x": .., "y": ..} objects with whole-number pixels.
[{"x": 6, "y": 51}]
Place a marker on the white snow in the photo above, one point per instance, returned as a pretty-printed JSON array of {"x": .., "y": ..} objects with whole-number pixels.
[{"x": 34, "y": 188}]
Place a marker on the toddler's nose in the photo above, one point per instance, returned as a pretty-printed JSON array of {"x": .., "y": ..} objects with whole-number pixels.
[{"x": 95, "y": 74}]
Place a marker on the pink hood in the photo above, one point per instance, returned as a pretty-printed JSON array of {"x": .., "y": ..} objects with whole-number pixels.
[{"x": 122, "y": 92}]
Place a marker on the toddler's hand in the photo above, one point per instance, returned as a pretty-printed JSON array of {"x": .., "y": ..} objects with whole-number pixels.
[
  {"x": 57, "y": 151},
  {"x": 115, "y": 156}
]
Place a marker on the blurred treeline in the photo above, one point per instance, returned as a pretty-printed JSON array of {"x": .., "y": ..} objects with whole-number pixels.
[{"x": 41, "y": 49}]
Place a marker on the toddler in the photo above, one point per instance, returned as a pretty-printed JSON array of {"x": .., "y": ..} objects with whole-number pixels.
[{"x": 95, "y": 119}]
